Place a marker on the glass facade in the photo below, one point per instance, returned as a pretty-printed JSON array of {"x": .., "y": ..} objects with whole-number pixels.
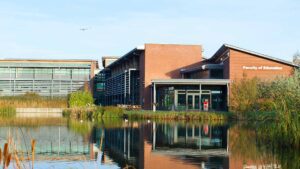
[
  {"x": 190, "y": 97},
  {"x": 58, "y": 80},
  {"x": 122, "y": 88}
]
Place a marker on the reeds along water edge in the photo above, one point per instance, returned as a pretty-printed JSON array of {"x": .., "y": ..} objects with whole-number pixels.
[{"x": 6, "y": 156}]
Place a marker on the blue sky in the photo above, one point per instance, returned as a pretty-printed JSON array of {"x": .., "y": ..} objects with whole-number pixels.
[{"x": 51, "y": 29}]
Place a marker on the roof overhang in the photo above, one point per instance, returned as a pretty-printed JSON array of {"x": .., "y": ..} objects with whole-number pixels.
[
  {"x": 127, "y": 56},
  {"x": 190, "y": 81}
]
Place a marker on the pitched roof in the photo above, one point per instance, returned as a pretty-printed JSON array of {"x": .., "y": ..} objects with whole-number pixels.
[{"x": 224, "y": 47}]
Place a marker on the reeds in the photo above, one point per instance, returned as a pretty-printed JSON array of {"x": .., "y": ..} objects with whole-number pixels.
[
  {"x": 32, "y": 101},
  {"x": 174, "y": 115},
  {"x": 32, "y": 152},
  {"x": 110, "y": 112},
  {"x": 6, "y": 157}
]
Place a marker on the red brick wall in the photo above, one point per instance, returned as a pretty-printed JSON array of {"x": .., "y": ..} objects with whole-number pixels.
[
  {"x": 239, "y": 59},
  {"x": 165, "y": 62}
]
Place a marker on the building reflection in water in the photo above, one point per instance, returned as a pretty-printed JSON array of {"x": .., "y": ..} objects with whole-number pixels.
[
  {"x": 144, "y": 145},
  {"x": 163, "y": 145},
  {"x": 52, "y": 142}
]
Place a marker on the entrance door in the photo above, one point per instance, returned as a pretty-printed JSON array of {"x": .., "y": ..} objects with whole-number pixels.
[
  {"x": 193, "y": 101},
  {"x": 190, "y": 101}
]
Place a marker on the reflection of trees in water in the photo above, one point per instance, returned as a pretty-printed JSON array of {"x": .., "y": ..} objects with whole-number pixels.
[
  {"x": 250, "y": 147},
  {"x": 268, "y": 139}
]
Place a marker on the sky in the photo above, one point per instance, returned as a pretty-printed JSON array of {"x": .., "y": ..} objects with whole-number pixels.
[{"x": 52, "y": 29}]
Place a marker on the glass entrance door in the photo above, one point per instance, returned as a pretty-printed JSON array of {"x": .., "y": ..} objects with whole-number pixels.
[
  {"x": 193, "y": 101},
  {"x": 190, "y": 101}
]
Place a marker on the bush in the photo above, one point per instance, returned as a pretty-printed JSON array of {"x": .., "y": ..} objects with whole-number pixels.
[
  {"x": 80, "y": 99},
  {"x": 243, "y": 97},
  {"x": 278, "y": 101},
  {"x": 113, "y": 112}
]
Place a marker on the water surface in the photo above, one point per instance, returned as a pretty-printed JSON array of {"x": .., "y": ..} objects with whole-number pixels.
[{"x": 61, "y": 143}]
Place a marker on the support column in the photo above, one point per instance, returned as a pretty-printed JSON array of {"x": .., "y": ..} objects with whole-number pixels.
[
  {"x": 154, "y": 97},
  {"x": 124, "y": 102},
  {"x": 228, "y": 99},
  {"x": 200, "y": 89},
  {"x": 175, "y": 99}
]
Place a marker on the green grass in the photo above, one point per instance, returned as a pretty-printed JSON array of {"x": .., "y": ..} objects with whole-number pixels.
[
  {"x": 98, "y": 113},
  {"x": 174, "y": 115}
]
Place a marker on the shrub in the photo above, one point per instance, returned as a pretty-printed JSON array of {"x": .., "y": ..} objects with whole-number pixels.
[
  {"x": 243, "y": 97},
  {"x": 80, "y": 99},
  {"x": 112, "y": 112}
]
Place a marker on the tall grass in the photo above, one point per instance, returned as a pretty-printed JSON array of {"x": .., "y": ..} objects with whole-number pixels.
[
  {"x": 285, "y": 96},
  {"x": 33, "y": 100},
  {"x": 94, "y": 112},
  {"x": 175, "y": 115},
  {"x": 278, "y": 100},
  {"x": 98, "y": 113}
]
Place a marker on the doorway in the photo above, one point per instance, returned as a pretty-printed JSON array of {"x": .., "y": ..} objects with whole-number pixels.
[{"x": 193, "y": 101}]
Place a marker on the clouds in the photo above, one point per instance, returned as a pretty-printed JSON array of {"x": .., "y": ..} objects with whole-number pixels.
[{"x": 51, "y": 29}]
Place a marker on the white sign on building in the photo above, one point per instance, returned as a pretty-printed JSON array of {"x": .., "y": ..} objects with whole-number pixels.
[{"x": 262, "y": 68}]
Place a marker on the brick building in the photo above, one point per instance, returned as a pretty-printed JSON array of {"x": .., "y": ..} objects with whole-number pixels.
[{"x": 177, "y": 77}]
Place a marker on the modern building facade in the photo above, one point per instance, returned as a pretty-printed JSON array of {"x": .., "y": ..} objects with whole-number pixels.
[
  {"x": 99, "y": 89},
  {"x": 176, "y": 77},
  {"x": 52, "y": 78}
]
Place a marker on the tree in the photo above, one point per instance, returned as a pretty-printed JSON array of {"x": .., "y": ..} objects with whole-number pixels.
[{"x": 296, "y": 58}]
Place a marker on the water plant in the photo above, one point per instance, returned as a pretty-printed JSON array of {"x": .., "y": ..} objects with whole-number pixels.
[
  {"x": 177, "y": 115},
  {"x": 32, "y": 100},
  {"x": 276, "y": 101}
]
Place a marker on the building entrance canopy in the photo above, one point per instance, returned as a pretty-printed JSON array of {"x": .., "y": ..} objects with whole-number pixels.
[{"x": 190, "y": 94}]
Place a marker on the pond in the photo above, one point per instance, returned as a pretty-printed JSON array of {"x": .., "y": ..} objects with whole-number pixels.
[{"x": 62, "y": 143}]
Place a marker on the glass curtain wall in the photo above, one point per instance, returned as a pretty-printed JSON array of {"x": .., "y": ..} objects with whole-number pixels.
[
  {"x": 46, "y": 81},
  {"x": 189, "y": 97}
]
